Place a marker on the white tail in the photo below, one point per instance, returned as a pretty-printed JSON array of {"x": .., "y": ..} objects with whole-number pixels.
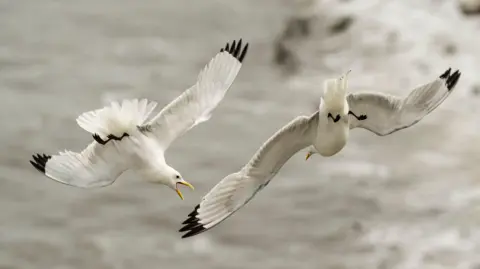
[
  {"x": 116, "y": 119},
  {"x": 333, "y": 95},
  {"x": 335, "y": 91}
]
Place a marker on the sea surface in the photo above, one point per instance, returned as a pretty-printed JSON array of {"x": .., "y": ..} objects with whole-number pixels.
[{"x": 410, "y": 200}]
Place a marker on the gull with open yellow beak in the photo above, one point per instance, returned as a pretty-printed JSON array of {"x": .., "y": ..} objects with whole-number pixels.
[
  {"x": 185, "y": 184},
  {"x": 125, "y": 137}
]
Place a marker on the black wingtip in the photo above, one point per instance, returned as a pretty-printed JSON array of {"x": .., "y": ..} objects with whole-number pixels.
[
  {"x": 194, "y": 231},
  {"x": 451, "y": 79},
  {"x": 40, "y": 161},
  {"x": 236, "y": 50},
  {"x": 191, "y": 225},
  {"x": 446, "y": 73},
  {"x": 194, "y": 212},
  {"x": 190, "y": 220}
]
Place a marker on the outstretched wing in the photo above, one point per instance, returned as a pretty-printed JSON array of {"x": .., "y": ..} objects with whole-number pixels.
[
  {"x": 235, "y": 190},
  {"x": 385, "y": 114},
  {"x": 196, "y": 104},
  {"x": 95, "y": 166}
]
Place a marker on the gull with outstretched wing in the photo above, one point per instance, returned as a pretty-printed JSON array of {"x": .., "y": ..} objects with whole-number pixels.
[
  {"x": 379, "y": 113},
  {"x": 324, "y": 132},
  {"x": 125, "y": 138},
  {"x": 237, "y": 189}
]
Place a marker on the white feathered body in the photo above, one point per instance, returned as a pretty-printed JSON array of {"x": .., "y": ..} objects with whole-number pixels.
[
  {"x": 142, "y": 149},
  {"x": 147, "y": 155},
  {"x": 332, "y": 136}
]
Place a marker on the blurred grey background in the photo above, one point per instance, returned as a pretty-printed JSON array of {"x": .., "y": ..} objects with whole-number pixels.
[{"x": 409, "y": 200}]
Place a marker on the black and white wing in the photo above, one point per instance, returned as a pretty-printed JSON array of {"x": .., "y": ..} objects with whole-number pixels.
[
  {"x": 117, "y": 120},
  {"x": 196, "y": 104},
  {"x": 237, "y": 189},
  {"x": 96, "y": 166},
  {"x": 385, "y": 114}
]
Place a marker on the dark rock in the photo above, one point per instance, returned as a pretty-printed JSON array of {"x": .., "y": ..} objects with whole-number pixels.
[
  {"x": 298, "y": 27},
  {"x": 285, "y": 57},
  {"x": 450, "y": 49},
  {"x": 341, "y": 25},
  {"x": 476, "y": 90},
  {"x": 470, "y": 7}
]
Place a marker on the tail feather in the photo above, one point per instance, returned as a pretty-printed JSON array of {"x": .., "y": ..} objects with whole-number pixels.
[
  {"x": 116, "y": 118},
  {"x": 334, "y": 94}
]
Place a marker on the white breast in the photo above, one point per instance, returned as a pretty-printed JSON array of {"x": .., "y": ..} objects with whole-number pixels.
[{"x": 331, "y": 137}]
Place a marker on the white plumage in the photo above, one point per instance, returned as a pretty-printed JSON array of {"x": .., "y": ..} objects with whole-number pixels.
[
  {"x": 95, "y": 166},
  {"x": 326, "y": 132},
  {"x": 125, "y": 138},
  {"x": 116, "y": 118},
  {"x": 387, "y": 114},
  {"x": 380, "y": 113},
  {"x": 236, "y": 189},
  {"x": 196, "y": 104}
]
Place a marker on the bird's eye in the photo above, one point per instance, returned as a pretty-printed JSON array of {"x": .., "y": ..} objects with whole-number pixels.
[{"x": 177, "y": 177}]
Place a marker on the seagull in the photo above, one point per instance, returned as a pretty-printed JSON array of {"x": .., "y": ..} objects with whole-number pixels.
[
  {"x": 237, "y": 189},
  {"x": 125, "y": 138},
  {"x": 379, "y": 113},
  {"x": 326, "y": 130}
]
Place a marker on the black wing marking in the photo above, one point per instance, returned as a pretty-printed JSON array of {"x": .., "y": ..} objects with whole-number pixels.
[
  {"x": 234, "y": 50},
  {"x": 99, "y": 140},
  {"x": 40, "y": 161},
  {"x": 191, "y": 225},
  {"x": 450, "y": 80},
  {"x": 361, "y": 117}
]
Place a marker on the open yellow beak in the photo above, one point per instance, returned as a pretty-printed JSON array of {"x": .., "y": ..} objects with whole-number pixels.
[
  {"x": 183, "y": 183},
  {"x": 308, "y": 155}
]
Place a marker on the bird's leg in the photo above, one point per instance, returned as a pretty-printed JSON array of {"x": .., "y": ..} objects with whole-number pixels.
[
  {"x": 361, "y": 117},
  {"x": 99, "y": 140},
  {"x": 110, "y": 137},
  {"x": 114, "y": 137}
]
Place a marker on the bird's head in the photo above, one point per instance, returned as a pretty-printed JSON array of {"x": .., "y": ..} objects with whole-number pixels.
[
  {"x": 334, "y": 97},
  {"x": 311, "y": 151},
  {"x": 173, "y": 179}
]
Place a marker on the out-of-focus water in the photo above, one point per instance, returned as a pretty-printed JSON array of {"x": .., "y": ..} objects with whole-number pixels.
[{"x": 408, "y": 200}]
